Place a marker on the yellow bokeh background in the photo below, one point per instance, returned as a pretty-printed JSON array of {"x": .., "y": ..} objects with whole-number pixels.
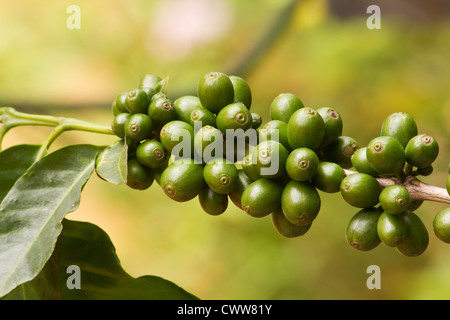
[{"x": 325, "y": 54}]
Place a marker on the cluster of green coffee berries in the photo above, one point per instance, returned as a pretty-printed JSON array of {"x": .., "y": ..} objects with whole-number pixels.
[{"x": 211, "y": 146}]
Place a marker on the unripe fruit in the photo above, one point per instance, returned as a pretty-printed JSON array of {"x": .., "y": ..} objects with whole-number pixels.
[
  {"x": 215, "y": 90},
  {"x": 360, "y": 162},
  {"x": 184, "y": 106},
  {"x": 284, "y": 105},
  {"x": 175, "y": 132},
  {"x": 249, "y": 167},
  {"x": 300, "y": 202},
  {"x": 138, "y": 127},
  {"x": 441, "y": 225},
  {"x": 361, "y": 231},
  {"x": 302, "y": 164},
  {"x": 386, "y": 155},
  {"x": 182, "y": 180},
  {"x": 212, "y": 203},
  {"x": 256, "y": 120},
  {"x": 391, "y": 229},
  {"x": 421, "y": 151},
  {"x": 328, "y": 177},
  {"x": 395, "y": 199},
  {"x": 261, "y": 197},
  {"x": 243, "y": 182},
  {"x": 118, "y": 124},
  {"x": 242, "y": 91},
  {"x": 401, "y": 126},
  {"x": 138, "y": 176},
  {"x": 274, "y": 130},
  {"x": 202, "y": 116},
  {"x": 162, "y": 110},
  {"x": 151, "y": 154},
  {"x": 270, "y": 159},
  {"x": 360, "y": 190},
  {"x": 305, "y": 129},
  {"x": 208, "y": 142},
  {"x": 234, "y": 116},
  {"x": 137, "y": 101},
  {"x": 119, "y": 105},
  {"x": 340, "y": 151},
  {"x": 286, "y": 228},
  {"x": 221, "y": 175},
  {"x": 333, "y": 125},
  {"x": 416, "y": 241},
  {"x": 148, "y": 84}
]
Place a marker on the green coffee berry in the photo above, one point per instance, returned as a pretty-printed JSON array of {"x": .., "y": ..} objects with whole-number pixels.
[
  {"x": 286, "y": 228},
  {"x": 221, "y": 175},
  {"x": 416, "y": 241},
  {"x": 242, "y": 91},
  {"x": 242, "y": 183},
  {"x": 119, "y": 105},
  {"x": 177, "y": 132},
  {"x": 234, "y": 116},
  {"x": 162, "y": 110},
  {"x": 360, "y": 163},
  {"x": 421, "y": 151},
  {"x": 215, "y": 90},
  {"x": 138, "y": 127},
  {"x": 151, "y": 153},
  {"x": 302, "y": 164},
  {"x": 361, "y": 231},
  {"x": 401, "y": 126},
  {"x": 212, "y": 203},
  {"x": 333, "y": 125},
  {"x": 340, "y": 151},
  {"x": 202, "y": 116},
  {"x": 118, "y": 124},
  {"x": 208, "y": 142},
  {"x": 137, "y": 101},
  {"x": 391, "y": 229},
  {"x": 328, "y": 177},
  {"x": 395, "y": 199},
  {"x": 138, "y": 176},
  {"x": 270, "y": 159},
  {"x": 256, "y": 120},
  {"x": 305, "y": 129},
  {"x": 274, "y": 130},
  {"x": 148, "y": 83},
  {"x": 284, "y": 105},
  {"x": 360, "y": 190},
  {"x": 184, "y": 106},
  {"x": 261, "y": 197},
  {"x": 249, "y": 167},
  {"x": 441, "y": 225},
  {"x": 300, "y": 202},
  {"x": 386, "y": 155}
]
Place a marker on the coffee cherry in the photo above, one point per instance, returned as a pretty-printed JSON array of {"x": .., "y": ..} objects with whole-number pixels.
[
  {"x": 184, "y": 106},
  {"x": 243, "y": 182},
  {"x": 305, "y": 129},
  {"x": 391, "y": 229},
  {"x": 302, "y": 164},
  {"x": 416, "y": 241},
  {"x": 270, "y": 159},
  {"x": 284, "y": 105},
  {"x": 340, "y": 151},
  {"x": 177, "y": 132},
  {"x": 386, "y": 155},
  {"x": 202, "y": 116},
  {"x": 401, "y": 126},
  {"x": 333, "y": 125},
  {"x": 234, "y": 116},
  {"x": 221, "y": 175},
  {"x": 441, "y": 225},
  {"x": 361, "y": 231},
  {"x": 242, "y": 91},
  {"x": 360, "y": 163},
  {"x": 138, "y": 127},
  {"x": 286, "y": 228},
  {"x": 212, "y": 203},
  {"x": 421, "y": 150},
  {"x": 328, "y": 177},
  {"x": 249, "y": 167},
  {"x": 118, "y": 124},
  {"x": 215, "y": 90},
  {"x": 119, "y": 105},
  {"x": 256, "y": 120},
  {"x": 261, "y": 197},
  {"x": 207, "y": 141},
  {"x": 137, "y": 101},
  {"x": 182, "y": 180},
  {"x": 151, "y": 153},
  {"x": 360, "y": 190},
  {"x": 161, "y": 110},
  {"x": 148, "y": 83},
  {"x": 395, "y": 199},
  {"x": 274, "y": 130},
  {"x": 300, "y": 202},
  {"x": 138, "y": 176}
]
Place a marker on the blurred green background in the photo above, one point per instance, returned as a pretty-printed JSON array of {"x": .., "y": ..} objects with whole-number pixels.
[{"x": 320, "y": 50}]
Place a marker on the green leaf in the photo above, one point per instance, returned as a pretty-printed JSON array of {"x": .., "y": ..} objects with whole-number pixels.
[
  {"x": 111, "y": 164},
  {"x": 14, "y": 162},
  {"x": 32, "y": 211},
  {"x": 101, "y": 276}
]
